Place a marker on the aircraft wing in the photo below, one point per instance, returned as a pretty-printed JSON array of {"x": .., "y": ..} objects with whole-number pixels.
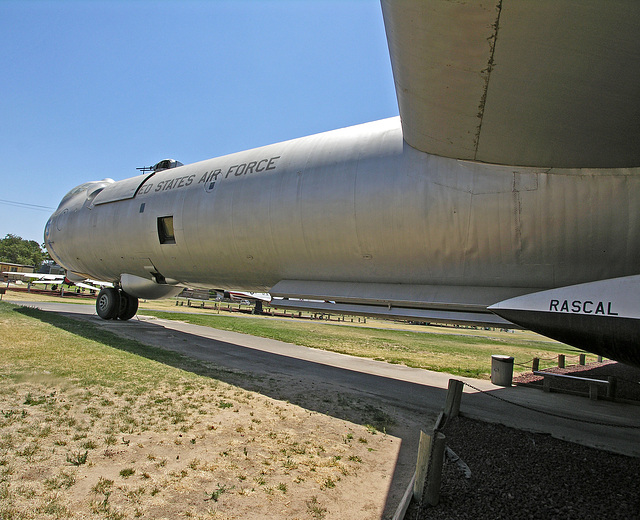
[
  {"x": 248, "y": 295},
  {"x": 431, "y": 303},
  {"x": 545, "y": 83},
  {"x": 98, "y": 282},
  {"x": 60, "y": 278},
  {"x": 48, "y": 278},
  {"x": 87, "y": 286}
]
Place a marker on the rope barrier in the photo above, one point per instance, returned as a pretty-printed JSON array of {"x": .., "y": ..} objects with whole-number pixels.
[
  {"x": 529, "y": 363},
  {"x": 551, "y": 414},
  {"x": 525, "y": 363}
]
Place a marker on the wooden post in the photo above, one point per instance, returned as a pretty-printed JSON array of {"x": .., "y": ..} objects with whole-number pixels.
[
  {"x": 535, "y": 366},
  {"x": 454, "y": 396},
  {"x": 434, "y": 476},
  {"x": 582, "y": 359},
  {"x": 424, "y": 449},
  {"x": 560, "y": 360},
  {"x": 611, "y": 388}
]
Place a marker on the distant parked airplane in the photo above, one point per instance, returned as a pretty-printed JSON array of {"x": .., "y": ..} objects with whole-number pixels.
[{"x": 51, "y": 279}]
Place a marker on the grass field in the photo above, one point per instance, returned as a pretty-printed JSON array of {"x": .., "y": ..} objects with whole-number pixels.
[
  {"x": 95, "y": 426},
  {"x": 465, "y": 352},
  {"x": 458, "y": 351}
]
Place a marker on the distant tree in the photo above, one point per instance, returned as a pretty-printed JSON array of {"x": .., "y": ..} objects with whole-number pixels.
[{"x": 15, "y": 250}]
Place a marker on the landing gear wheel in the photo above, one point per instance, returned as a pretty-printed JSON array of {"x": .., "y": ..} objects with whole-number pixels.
[
  {"x": 108, "y": 303},
  {"x": 128, "y": 306}
]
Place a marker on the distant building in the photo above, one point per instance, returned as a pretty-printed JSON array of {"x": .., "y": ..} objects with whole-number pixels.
[
  {"x": 51, "y": 268},
  {"x": 7, "y": 268}
]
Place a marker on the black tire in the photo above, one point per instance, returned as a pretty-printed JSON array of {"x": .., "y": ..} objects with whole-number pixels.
[
  {"x": 128, "y": 306},
  {"x": 108, "y": 303}
]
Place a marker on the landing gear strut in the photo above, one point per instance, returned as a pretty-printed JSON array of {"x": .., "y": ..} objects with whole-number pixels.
[{"x": 114, "y": 304}]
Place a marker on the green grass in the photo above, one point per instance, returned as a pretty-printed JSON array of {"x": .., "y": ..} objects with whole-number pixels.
[
  {"x": 461, "y": 353},
  {"x": 84, "y": 354}
]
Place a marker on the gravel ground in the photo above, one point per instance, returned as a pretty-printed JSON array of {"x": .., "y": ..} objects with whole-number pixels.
[{"x": 516, "y": 474}]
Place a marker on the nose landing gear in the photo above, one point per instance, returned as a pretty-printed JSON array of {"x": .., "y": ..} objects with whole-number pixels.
[{"x": 114, "y": 304}]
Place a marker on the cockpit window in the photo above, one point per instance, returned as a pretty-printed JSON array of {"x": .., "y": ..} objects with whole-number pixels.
[
  {"x": 77, "y": 190},
  {"x": 84, "y": 187}
]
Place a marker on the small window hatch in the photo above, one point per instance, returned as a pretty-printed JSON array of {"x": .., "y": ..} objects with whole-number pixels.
[{"x": 165, "y": 230}]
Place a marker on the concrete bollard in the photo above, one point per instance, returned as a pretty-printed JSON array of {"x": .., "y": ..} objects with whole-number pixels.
[{"x": 501, "y": 370}]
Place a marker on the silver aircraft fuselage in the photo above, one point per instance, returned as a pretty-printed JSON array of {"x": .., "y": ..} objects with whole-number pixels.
[
  {"x": 507, "y": 192},
  {"x": 354, "y": 205}
]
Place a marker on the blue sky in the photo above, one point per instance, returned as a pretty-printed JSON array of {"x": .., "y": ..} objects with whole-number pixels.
[{"x": 94, "y": 89}]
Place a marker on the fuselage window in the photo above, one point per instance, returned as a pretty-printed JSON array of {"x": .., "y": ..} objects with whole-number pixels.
[{"x": 165, "y": 230}]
